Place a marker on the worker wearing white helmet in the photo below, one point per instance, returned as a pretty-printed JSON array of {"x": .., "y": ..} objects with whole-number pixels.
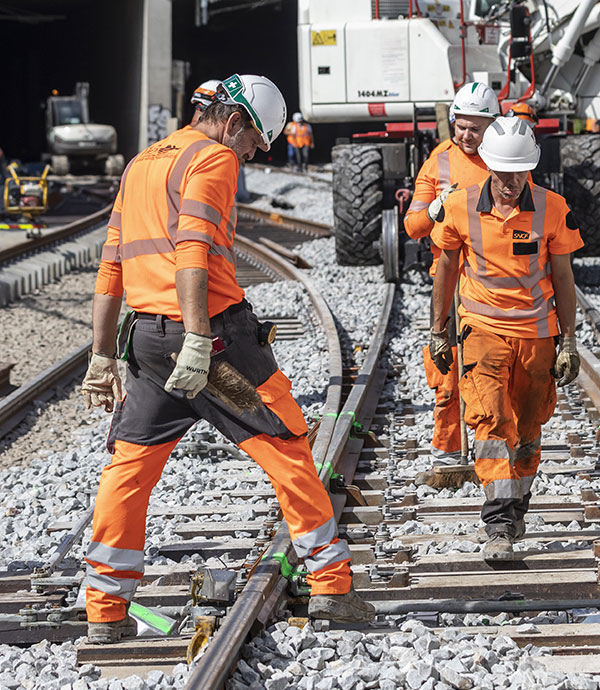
[
  {"x": 453, "y": 164},
  {"x": 516, "y": 295},
  {"x": 300, "y": 140},
  {"x": 170, "y": 250}
]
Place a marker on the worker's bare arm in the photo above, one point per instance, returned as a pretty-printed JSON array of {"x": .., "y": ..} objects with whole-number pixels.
[
  {"x": 105, "y": 315},
  {"x": 443, "y": 286},
  {"x": 192, "y": 290},
  {"x": 564, "y": 293}
]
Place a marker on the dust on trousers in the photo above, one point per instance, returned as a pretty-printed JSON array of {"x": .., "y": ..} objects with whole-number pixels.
[
  {"x": 149, "y": 422},
  {"x": 509, "y": 392}
]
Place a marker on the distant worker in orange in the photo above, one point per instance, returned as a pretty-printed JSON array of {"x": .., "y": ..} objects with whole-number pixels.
[
  {"x": 300, "y": 141},
  {"x": 170, "y": 249},
  {"x": 453, "y": 164},
  {"x": 517, "y": 295}
]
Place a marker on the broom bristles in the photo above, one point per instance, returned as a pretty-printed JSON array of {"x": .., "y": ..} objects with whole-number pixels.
[
  {"x": 234, "y": 389},
  {"x": 452, "y": 476}
]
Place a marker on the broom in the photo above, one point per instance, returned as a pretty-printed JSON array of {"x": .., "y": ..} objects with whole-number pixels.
[{"x": 454, "y": 476}]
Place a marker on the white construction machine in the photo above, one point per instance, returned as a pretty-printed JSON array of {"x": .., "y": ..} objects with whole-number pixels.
[{"x": 395, "y": 61}]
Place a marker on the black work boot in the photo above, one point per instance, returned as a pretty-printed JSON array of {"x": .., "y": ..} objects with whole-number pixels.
[
  {"x": 499, "y": 547},
  {"x": 112, "y": 631},
  {"x": 342, "y": 608}
]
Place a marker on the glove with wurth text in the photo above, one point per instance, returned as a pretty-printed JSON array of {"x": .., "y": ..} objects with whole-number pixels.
[
  {"x": 102, "y": 383},
  {"x": 191, "y": 365},
  {"x": 434, "y": 208},
  {"x": 566, "y": 366},
  {"x": 440, "y": 350}
]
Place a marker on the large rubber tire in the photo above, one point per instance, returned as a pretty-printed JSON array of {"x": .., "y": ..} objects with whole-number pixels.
[
  {"x": 580, "y": 157},
  {"x": 357, "y": 203}
]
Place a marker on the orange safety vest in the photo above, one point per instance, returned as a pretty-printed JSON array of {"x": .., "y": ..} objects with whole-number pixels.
[
  {"x": 446, "y": 164},
  {"x": 300, "y": 135},
  {"x": 175, "y": 209},
  {"x": 505, "y": 283}
]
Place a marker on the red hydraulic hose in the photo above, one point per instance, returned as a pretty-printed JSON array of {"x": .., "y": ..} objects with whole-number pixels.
[
  {"x": 462, "y": 47},
  {"x": 376, "y": 9}
]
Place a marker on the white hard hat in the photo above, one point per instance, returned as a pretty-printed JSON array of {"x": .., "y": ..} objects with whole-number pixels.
[
  {"x": 475, "y": 98},
  {"x": 203, "y": 95},
  {"x": 509, "y": 145},
  {"x": 263, "y": 101},
  {"x": 297, "y": 117}
]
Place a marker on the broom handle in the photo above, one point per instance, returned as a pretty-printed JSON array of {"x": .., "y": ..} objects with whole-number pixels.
[{"x": 464, "y": 439}]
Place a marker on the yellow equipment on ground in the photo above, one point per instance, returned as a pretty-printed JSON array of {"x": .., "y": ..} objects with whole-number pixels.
[{"x": 26, "y": 197}]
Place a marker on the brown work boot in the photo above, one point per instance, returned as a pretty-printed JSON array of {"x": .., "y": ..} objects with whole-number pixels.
[
  {"x": 342, "y": 608},
  {"x": 498, "y": 547},
  {"x": 112, "y": 631}
]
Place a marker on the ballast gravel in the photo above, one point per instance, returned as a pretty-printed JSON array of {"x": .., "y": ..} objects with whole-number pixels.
[{"x": 53, "y": 475}]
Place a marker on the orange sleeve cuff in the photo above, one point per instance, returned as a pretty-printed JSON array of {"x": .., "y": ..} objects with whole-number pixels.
[
  {"x": 191, "y": 254},
  {"x": 418, "y": 225},
  {"x": 110, "y": 279}
]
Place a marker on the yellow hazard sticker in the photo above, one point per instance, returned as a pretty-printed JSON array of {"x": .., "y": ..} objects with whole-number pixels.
[{"x": 327, "y": 37}]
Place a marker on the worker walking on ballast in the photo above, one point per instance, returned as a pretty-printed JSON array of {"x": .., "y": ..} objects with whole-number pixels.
[
  {"x": 170, "y": 248},
  {"x": 453, "y": 164},
  {"x": 516, "y": 288}
]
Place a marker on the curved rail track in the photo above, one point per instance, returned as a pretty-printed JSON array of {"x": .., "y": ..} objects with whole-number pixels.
[{"x": 372, "y": 497}]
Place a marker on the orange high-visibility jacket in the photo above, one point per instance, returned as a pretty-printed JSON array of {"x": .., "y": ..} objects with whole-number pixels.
[
  {"x": 300, "y": 135},
  {"x": 174, "y": 210},
  {"x": 505, "y": 282},
  {"x": 446, "y": 165}
]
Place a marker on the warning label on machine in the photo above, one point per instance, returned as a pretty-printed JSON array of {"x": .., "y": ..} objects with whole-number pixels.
[{"x": 326, "y": 37}]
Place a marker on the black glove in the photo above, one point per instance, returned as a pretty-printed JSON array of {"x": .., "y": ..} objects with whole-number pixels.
[{"x": 440, "y": 350}]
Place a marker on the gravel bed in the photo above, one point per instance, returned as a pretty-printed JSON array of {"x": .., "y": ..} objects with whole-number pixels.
[{"x": 52, "y": 475}]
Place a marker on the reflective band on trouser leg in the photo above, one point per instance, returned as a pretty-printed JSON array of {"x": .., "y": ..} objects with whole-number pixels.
[
  {"x": 116, "y": 552},
  {"x": 305, "y": 504}
]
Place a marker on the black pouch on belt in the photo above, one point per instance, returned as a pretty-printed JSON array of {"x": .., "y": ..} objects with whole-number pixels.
[{"x": 124, "y": 335}]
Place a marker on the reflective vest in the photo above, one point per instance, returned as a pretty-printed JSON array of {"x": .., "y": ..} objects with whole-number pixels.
[
  {"x": 300, "y": 135},
  {"x": 505, "y": 282},
  {"x": 175, "y": 209}
]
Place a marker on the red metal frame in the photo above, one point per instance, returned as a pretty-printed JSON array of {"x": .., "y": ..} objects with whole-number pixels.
[{"x": 396, "y": 130}]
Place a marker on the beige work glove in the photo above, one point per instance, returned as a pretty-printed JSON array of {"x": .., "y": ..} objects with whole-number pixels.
[
  {"x": 434, "y": 208},
  {"x": 440, "y": 350},
  {"x": 566, "y": 366},
  {"x": 102, "y": 383},
  {"x": 191, "y": 365}
]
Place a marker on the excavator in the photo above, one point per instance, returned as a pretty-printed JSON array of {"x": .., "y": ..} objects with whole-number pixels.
[{"x": 400, "y": 62}]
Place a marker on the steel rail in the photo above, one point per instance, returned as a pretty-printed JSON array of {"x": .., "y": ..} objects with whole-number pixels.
[
  {"x": 590, "y": 312},
  {"x": 307, "y": 227},
  {"x": 255, "y": 600},
  {"x": 56, "y": 235}
]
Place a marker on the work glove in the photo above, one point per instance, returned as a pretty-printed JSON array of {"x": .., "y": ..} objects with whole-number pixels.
[
  {"x": 440, "y": 350},
  {"x": 191, "y": 365},
  {"x": 102, "y": 383},
  {"x": 566, "y": 366},
  {"x": 434, "y": 208}
]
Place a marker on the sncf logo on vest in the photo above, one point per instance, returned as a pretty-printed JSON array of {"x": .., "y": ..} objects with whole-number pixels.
[{"x": 520, "y": 235}]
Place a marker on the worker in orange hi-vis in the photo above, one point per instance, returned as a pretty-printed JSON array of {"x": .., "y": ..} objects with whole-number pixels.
[
  {"x": 300, "y": 137},
  {"x": 170, "y": 249},
  {"x": 453, "y": 164},
  {"x": 516, "y": 288}
]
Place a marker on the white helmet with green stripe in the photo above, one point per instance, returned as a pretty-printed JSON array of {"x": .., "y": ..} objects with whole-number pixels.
[
  {"x": 262, "y": 100},
  {"x": 475, "y": 98}
]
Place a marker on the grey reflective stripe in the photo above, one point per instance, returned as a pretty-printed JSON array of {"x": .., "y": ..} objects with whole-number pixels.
[
  {"x": 504, "y": 488},
  {"x": 115, "y": 220},
  {"x": 475, "y": 235},
  {"x": 158, "y": 245},
  {"x": 537, "y": 234},
  {"x": 526, "y": 450},
  {"x": 538, "y": 311},
  {"x": 122, "y": 192},
  {"x": 220, "y": 250},
  {"x": 443, "y": 160},
  {"x": 117, "y": 586},
  {"x": 195, "y": 236},
  {"x": 321, "y": 536},
  {"x": 231, "y": 223},
  {"x": 497, "y": 282},
  {"x": 416, "y": 206},
  {"x": 117, "y": 559},
  {"x": 174, "y": 182},
  {"x": 334, "y": 553},
  {"x": 526, "y": 483},
  {"x": 110, "y": 252},
  {"x": 198, "y": 209},
  {"x": 492, "y": 448}
]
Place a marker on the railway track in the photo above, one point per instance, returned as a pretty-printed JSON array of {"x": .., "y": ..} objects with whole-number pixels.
[{"x": 398, "y": 533}]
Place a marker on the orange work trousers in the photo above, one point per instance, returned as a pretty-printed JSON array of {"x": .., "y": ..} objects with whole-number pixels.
[
  {"x": 509, "y": 392},
  {"x": 446, "y": 412}
]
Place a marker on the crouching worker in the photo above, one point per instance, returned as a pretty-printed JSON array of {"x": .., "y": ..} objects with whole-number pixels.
[
  {"x": 170, "y": 248},
  {"x": 516, "y": 289}
]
